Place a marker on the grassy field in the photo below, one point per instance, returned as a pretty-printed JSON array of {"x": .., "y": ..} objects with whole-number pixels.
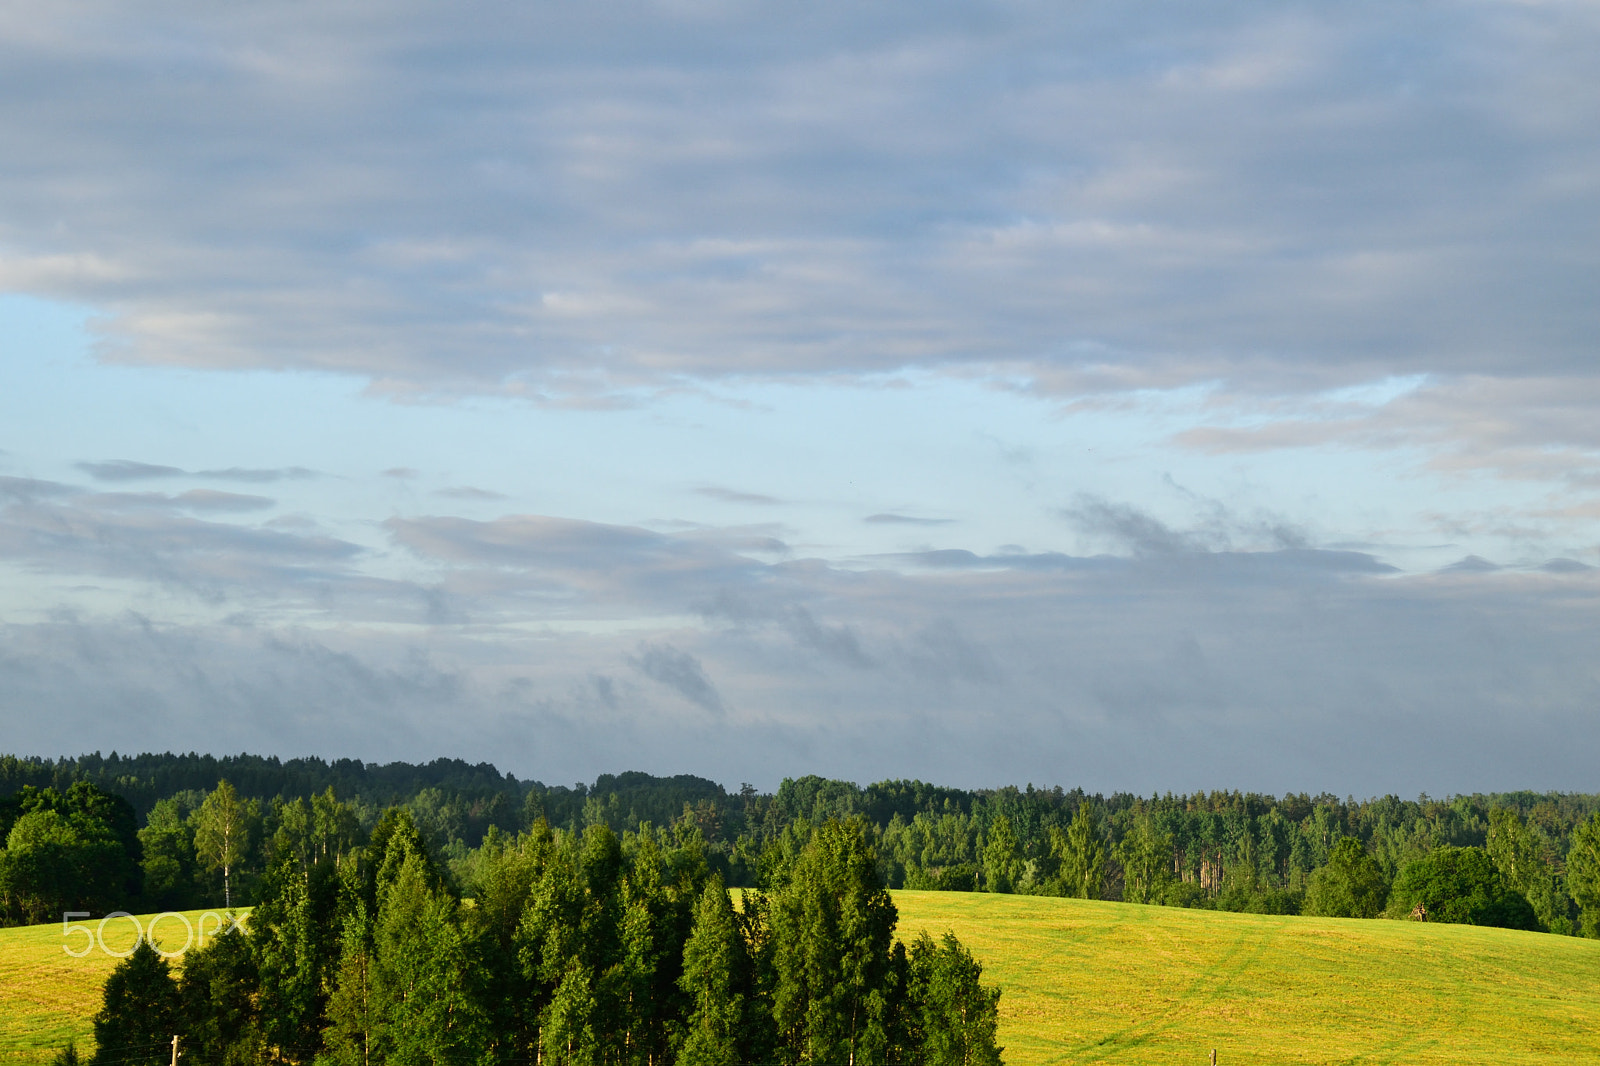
[
  {"x": 1112, "y": 983},
  {"x": 1089, "y": 982},
  {"x": 48, "y": 997}
]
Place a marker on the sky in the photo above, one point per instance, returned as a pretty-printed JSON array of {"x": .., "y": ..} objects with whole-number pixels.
[{"x": 1135, "y": 397}]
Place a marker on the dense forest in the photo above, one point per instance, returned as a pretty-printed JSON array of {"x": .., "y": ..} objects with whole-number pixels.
[
  {"x": 580, "y": 948},
  {"x": 156, "y": 832}
]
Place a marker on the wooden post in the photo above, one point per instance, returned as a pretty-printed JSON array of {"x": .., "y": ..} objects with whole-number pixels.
[
  {"x": 175, "y": 1051},
  {"x": 1213, "y": 1057}
]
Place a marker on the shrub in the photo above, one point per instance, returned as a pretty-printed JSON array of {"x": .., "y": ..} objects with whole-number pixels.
[{"x": 1461, "y": 886}]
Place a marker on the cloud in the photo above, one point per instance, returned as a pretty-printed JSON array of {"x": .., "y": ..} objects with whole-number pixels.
[
  {"x": 680, "y": 672},
  {"x": 1471, "y": 564},
  {"x": 1183, "y": 671},
  {"x": 203, "y": 500},
  {"x": 1218, "y": 528},
  {"x": 733, "y": 496},
  {"x": 54, "y": 529},
  {"x": 467, "y": 492},
  {"x": 905, "y": 520},
  {"x": 260, "y": 476},
  {"x": 127, "y": 470},
  {"x": 401, "y": 473},
  {"x": 27, "y": 488},
  {"x": 1281, "y": 200}
]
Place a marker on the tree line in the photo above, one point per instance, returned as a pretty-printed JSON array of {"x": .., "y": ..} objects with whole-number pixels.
[
  {"x": 1228, "y": 850},
  {"x": 579, "y": 948}
]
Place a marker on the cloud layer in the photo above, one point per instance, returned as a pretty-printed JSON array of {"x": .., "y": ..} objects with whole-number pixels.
[
  {"x": 562, "y": 648},
  {"x": 552, "y": 200}
]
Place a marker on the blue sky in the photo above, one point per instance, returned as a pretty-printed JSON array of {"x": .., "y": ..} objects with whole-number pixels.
[{"x": 1168, "y": 398}]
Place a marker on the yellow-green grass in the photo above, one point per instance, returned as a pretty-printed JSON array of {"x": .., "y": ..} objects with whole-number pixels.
[
  {"x": 1091, "y": 982},
  {"x": 1087, "y": 982},
  {"x": 48, "y": 997}
]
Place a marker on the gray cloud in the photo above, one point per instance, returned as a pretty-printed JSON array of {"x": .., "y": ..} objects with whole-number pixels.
[
  {"x": 53, "y": 528},
  {"x": 734, "y": 496},
  {"x": 1151, "y": 672},
  {"x": 203, "y": 500},
  {"x": 680, "y": 672},
  {"x": 1082, "y": 199},
  {"x": 467, "y": 492},
  {"x": 27, "y": 488},
  {"x": 905, "y": 520},
  {"x": 128, "y": 470},
  {"x": 1218, "y": 529},
  {"x": 257, "y": 475}
]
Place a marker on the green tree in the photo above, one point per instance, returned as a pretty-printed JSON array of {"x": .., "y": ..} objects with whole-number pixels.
[
  {"x": 169, "y": 857},
  {"x": 568, "y": 1035},
  {"x": 1350, "y": 885},
  {"x": 353, "y": 1016},
  {"x": 1461, "y": 885},
  {"x": 222, "y": 834},
  {"x": 1523, "y": 856},
  {"x": 832, "y": 925},
  {"x": 426, "y": 976},
  {"x": 217, "y": 992},
  {"x": 956, "y": 1018},
  {"x": 39, "y": 867},
  {"x": 294, "y": 940},
  {"x": 1002, "y": 858},
  {"x": 76, "y": 850},
  {"x": 1082, "y": 851},
  {"x": 1583, "y": 873},
  {"x": 1145, "y": 853},
  {"x": 139, "y": 1013},
  {"x": 711, "y": 964}
]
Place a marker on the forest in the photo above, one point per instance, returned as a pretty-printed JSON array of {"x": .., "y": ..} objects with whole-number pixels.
[
  {"x": 155, "y": 832},
  {"x": 580, "y": 948}
]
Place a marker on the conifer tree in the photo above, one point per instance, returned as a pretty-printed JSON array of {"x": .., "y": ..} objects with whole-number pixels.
[
  {"x": 711, "y": 964},
  {"x": 1583, "y": 873},
  {"x": 218, "y": 995},
  {"x": 1002, "y": 859},
  {"x": 139, "y": 1014},
  {"x": 426, "y": 976},
  {"x": 832, "y": 924}
]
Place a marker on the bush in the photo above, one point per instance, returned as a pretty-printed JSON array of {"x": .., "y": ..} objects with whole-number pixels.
[{"x": 1461, "y": 886}]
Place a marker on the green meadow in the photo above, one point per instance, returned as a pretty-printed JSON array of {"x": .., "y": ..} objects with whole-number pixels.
[
  {"x": 48, "y": 997},
  {"x": 1090, "y": 982}
]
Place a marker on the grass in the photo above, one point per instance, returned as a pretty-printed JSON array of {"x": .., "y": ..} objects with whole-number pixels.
[
  {"x": 48, "y": 997},
  {"x": 1089, "y": 982}
]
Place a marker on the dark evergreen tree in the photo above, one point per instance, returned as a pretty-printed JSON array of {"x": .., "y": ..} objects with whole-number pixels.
[
  {"x": 832, "y": 924},
  {"x": 1583, "y": 873},
  {"x": 294, "y": 933},
  {"x": 139, "y": 1014},
  {"x": 217, "y": 990}
]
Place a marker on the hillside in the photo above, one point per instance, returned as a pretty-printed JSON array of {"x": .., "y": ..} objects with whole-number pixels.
[{"x": 1089, "y": 982}]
